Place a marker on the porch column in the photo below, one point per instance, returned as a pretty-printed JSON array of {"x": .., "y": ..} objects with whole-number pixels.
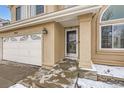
[
  {"x": 85, "y": 41},
  {"x": 53, "y": 44}
]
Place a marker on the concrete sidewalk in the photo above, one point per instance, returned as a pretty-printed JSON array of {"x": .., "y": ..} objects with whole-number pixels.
[{"x": 11, "y": 74}]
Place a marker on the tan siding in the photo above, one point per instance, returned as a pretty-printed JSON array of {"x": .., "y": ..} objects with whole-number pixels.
[
  {"x": 59, "y": 42},
  {"x": 48, "y": 41},
  {"x": 13, "y": 13}
]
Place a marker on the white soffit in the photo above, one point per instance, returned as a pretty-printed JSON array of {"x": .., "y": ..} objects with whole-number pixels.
[{"x": 70, "y": 22}]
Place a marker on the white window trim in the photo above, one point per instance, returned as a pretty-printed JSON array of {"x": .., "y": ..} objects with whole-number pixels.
[{"x": 32, "y": 10}]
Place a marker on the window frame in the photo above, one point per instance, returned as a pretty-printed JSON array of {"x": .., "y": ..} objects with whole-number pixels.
[
  {"x": 113, "y": 22},
  {"x": 20, "y": 13}
]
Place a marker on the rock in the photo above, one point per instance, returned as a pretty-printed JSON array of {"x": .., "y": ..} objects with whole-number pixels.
[
  {"x": 70, "y": 74},
  {"x": 59, "y": 76},
  {"x": 27, "y": 81},
  {"x": 88, "y": 74},
  {"x": 112, "y": 79},
  {"x": 48, "y": 85},
  {"x": 60, "y": 79}
]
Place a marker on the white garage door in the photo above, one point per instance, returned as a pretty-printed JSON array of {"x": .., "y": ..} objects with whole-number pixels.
[{"x": 23, "y": 49}]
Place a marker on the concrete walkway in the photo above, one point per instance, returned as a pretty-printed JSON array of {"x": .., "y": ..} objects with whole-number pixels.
[{"x": 11, "y": 74}]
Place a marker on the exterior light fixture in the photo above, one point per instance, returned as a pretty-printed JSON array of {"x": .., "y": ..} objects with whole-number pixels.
[{"x": 44, "y": 31}]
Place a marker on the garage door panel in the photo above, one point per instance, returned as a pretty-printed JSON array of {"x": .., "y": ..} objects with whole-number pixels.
[
  {"x": 23, "y": 60},
  {"x": 23, "y": 52},
  {"x": 26, "y": 51},
  {"x": 37, "y": 62}
]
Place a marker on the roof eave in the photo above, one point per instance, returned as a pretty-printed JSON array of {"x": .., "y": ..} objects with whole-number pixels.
[{"x": 75, "y": 11}]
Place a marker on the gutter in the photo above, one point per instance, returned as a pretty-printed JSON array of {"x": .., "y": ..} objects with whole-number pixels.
[{"x": 73, "y": 11}]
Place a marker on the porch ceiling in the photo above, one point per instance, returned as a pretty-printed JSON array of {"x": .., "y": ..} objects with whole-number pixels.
[{"x": 69, "y": 22}]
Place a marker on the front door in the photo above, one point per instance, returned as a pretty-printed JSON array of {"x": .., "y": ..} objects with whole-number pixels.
[{"x": 71, "y": 45}]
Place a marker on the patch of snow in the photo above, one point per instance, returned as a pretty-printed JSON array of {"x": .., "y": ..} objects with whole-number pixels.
[
  {"x": 18, "y": 86},
  {"x": 55, "y": 80},
  {"x": 45, "y": 77},
  {"x": 87, "y": 83},
  {"x": 63, "y": 75},
  {"x": 110, "y": 70},
  {"x": 72, "y": 68},
  {"x": 56, "y": 71}
]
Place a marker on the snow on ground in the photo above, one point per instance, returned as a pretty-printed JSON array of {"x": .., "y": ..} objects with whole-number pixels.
[
  {"x": 18, "y": 86},
  {"x": 110, "y": 70},
  {"x": 87, "y": 83},
  {"x": 84, "y": 83}
]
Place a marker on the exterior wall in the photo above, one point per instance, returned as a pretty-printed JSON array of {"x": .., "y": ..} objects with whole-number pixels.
[
  {"x": 48, "y": 9},
  {"x": 48, "y": 41},
  {"x": 13, "y": 13},
  {"x": 108, "y": 57},
  {"x": 53, "y": 47},
  {"x": 53, "y": 42},
  {"x": 85, "y": 41},
  {"x": 51, "y": 8}
]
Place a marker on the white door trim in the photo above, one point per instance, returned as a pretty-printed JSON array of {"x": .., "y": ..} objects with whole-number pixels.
[{"x": 71, "y": 56}]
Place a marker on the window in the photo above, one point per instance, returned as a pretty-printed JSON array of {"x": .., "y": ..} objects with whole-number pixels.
[
  {"x": 113, "y": 12},
  {"x": 36, "y": 9},
  {"x": 112, "y": 34},
  {"x": 18, "y": 13},
  {"x": 106, "y": 37},
  {"x": 39, "y": 9},
  {"x": 118, "y": 36}
]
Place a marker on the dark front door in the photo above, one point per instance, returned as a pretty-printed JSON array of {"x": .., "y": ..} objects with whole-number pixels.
[{"x": 71, "y": 43}]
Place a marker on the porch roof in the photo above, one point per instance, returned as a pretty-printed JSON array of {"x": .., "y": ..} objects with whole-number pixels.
[{"x": 54, "y": 16}]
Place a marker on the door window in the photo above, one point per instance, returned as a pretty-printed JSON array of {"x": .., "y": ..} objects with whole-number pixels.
[{"x": 71, "y": 41}]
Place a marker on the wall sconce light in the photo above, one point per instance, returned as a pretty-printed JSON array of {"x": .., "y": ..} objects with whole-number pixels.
[{"x": 44, "y": 31}]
